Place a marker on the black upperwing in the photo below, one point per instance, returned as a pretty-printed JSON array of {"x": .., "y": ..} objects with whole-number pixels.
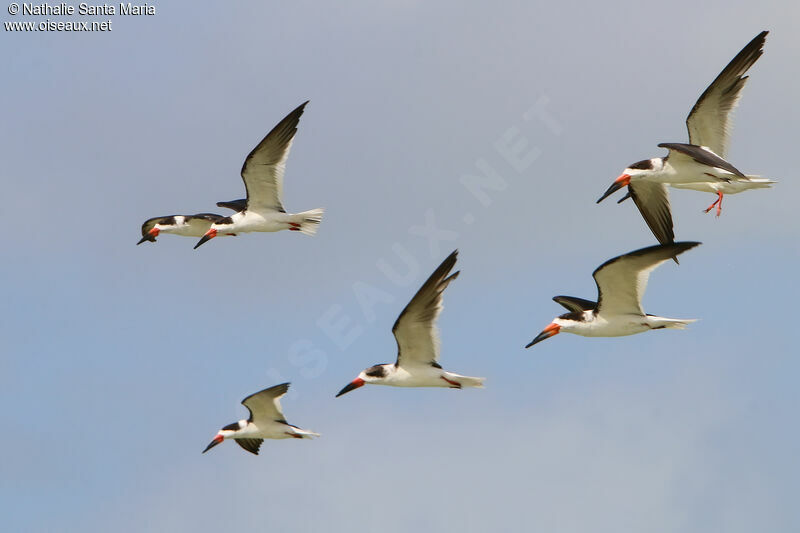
[
  {"x": 235, "y": 205},
  {"x": 703, "y": 156},
  {"x": 415, "y": 329},
  {"x": 575, "y": 305},
  {"x": 710, "y": 120}
]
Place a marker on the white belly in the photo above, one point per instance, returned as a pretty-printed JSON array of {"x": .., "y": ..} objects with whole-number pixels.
[
  {"x": 416, "y": 376},
  {"x": 693, "y": 173},
  {"x": 616, "y": 326},
  {"x": 267, "y": 222},
  {"x": 429, "y": 376},
  {"x": 725, "y": 187}
]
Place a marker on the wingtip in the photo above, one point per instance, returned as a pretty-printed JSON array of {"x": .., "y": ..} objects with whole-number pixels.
[
  {"x": 758, "y": 41},
  {"x": 683, "y": 246},
  {"x": 450, "y": 262},
  {"x": 280, "y": 388},
  {"x": 686, "y": 245}
]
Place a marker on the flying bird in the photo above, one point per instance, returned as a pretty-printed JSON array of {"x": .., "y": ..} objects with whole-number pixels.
[
  {"x": 266, "y": 422},
  {"x": 417, "y": 339},
  {"x": 699, "y": 165},
  {"x": 621, "y": 283},
  {"x": 262, "y": 173},
  {"x": 186, "y": 225}
]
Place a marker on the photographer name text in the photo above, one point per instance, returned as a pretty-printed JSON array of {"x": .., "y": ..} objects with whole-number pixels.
[{"x": 84, "y": 9}]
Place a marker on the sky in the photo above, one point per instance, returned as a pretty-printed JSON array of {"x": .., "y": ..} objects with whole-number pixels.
[{"x": 118, "y": 363}]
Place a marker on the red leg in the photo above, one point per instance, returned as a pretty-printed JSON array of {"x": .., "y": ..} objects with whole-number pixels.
[
  {"x": 718, "y": 203},
  {"x": 455, "y": 384}
]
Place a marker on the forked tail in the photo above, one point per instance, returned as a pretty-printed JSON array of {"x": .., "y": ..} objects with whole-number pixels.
[
  {"x": 671, "y": 323},
  {"x": 299, "y": 433},
  {"x": 467, "y": 381},
  {"x": 306, "y": 222},
  {"x": 757, "y": 182}
]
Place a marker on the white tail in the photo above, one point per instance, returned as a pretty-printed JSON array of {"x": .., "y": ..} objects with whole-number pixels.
[
  {"x": 671, "y": 323},
  {"x": 467, "y": 381},
  {"x": 309, "y": 220},
  {"x": 304, "y": 433},
  {"x": 757, "y": 182}
]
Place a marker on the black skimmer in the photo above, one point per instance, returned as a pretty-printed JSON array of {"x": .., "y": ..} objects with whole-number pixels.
[
  {"x": 418, "y": 342},
  {"x": 186, "y": 225},
  {"x": 262, "y": 173},
  {"x": 699, "y": 165},
  {"x": 621, "y": 283},
  {"x": 266, "y": 422}
]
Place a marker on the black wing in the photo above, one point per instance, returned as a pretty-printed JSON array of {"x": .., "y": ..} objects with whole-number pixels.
[
  {"x": 251, "y": 445},
  {"x": 575, "y": 305},
  {"x": 415, "y": 329},
  {"x": 702, "y": 156},
  {"x": 621, "y": 281},
  {"x": 212, "y": 217},
  {"x": 709, "y": 122},
  {"x": 652, "y": 199},
  {"x": 263, "y": 168},
  {"x": 236, "y": 205}
]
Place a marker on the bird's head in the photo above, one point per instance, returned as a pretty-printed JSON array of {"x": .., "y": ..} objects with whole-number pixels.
[
  {"x": 150, "y": 235},
  {"x": 634, "y": 171},
  {"x": 372, "y": 374},
  {"x": 222, "y": 226},
  {"x": 153, "y": 226},
  {"x": 226, "y": 433},
  {"x": 565, "y": 322}
]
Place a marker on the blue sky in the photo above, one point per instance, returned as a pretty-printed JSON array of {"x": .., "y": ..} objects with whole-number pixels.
[{"x": 118, "y": 363}]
